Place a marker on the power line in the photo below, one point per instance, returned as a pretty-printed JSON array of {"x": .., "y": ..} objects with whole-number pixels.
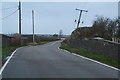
[
  {"x": 9, "y": 14},
  {"x": 9, "y": 8}
]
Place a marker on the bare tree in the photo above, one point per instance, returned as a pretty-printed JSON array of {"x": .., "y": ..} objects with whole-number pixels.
[{"x": 105, "y": 27}]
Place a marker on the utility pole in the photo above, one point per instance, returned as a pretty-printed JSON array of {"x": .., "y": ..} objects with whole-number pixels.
[
  {"x": 80, "y": 16},
  {"x": 60, "y": 33},
  {"x": 33, "y": 25},
  {"x": 19, "y": 22}
]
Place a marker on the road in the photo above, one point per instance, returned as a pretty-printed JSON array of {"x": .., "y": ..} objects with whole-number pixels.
[{"x": 47, "y": 61}]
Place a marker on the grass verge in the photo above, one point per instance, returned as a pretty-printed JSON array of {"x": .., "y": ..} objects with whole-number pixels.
[
  {"x": 91, "y": 55},
  {"x": 7, "y": 50}
]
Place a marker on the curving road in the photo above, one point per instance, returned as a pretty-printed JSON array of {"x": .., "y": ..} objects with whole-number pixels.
[{"x": 47, "y": 61}]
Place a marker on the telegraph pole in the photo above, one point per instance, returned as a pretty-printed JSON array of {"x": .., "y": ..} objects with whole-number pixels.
[
  {"x": 80, "y": 16},
  {"x": 60, "y": 33},
  {"x": 33, "y": 25},
  {"x": 19, "y": 22}
]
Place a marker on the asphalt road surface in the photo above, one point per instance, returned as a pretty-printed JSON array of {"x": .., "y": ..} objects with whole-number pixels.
[{"x": 47, "y": 61}]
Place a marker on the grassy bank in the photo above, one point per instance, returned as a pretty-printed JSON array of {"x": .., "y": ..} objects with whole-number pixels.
[
  {"x": 7, "y": 50},
  {"x": 91, "y": 55}
]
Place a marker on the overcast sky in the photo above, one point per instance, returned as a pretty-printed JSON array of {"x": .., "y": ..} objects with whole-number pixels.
[{"x": 50, "y": 17}]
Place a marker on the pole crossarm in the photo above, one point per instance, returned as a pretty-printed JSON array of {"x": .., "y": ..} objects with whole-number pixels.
[
  {"x": 81, "y": 10},
  {"x": 80, "y": 16}
]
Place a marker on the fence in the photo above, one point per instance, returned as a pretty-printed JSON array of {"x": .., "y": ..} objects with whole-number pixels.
[
  {"x": 5, "y": 40},
  {"x": 104, "y": 47}
]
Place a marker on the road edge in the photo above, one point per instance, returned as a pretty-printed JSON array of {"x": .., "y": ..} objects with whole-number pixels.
[
  {"x": 91, "y": 60},
  {"x": 5, "y": 64}
]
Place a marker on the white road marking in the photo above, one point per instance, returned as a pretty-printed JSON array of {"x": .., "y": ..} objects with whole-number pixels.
[
  {"x": 91, "y": 60},
  {"x": 3, "y": 67},
  {"x": 8, "y": 59}
]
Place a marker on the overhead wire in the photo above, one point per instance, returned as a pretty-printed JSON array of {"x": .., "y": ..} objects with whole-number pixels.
[
  {"x": 8, "y": 8},
  {"x": 9, "y": 14}
]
